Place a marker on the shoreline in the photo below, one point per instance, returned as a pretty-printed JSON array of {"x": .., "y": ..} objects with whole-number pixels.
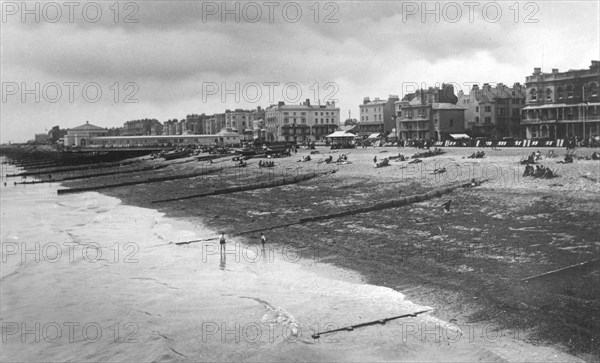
[{"x": 439, "y": 288}]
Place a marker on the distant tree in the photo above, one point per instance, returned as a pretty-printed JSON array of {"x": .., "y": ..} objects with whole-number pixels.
[
  {"x": 56, "y": 134},
  {"x": 350, "y": 122}
]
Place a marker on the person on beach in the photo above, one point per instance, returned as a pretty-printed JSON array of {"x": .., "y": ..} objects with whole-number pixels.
[
  {"x": 447, "y": 206},
  {"x": 222, "y": 242},
  {"x": 375, "y": 159},
  {"x": 263, "y": 240}
]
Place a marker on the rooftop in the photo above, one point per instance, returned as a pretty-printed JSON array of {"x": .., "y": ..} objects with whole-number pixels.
[{"x": 88, "y": 127}]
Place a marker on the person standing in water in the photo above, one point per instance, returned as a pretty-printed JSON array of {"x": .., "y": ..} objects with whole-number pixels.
[
  {"x": 222, "y": 242},
  {"x": 263, "y": 240}
]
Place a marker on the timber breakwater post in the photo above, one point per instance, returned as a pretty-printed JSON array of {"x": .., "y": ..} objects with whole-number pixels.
[
  {"x": 436, "y": 193},
  {"x": 255, "y": 186},
  {"x": 150, "y": 180}
]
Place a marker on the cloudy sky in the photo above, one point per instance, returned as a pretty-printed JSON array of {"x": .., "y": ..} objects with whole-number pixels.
[{"x": 109, "y": 62}]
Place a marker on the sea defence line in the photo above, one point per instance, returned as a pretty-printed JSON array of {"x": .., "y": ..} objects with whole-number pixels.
[
  {"x": 372, "y": 207},
  {"x": 255, "y": 186},
  {"x": 150, "y": 180}
]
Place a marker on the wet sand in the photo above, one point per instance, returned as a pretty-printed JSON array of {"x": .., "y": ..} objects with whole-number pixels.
[{"x": 469, "y": 264}]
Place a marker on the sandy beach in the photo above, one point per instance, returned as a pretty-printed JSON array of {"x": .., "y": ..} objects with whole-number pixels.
[{"x": 473, "y": 265}]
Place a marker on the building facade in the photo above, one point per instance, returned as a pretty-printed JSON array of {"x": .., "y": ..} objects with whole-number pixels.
[
  {"x": 300, "y": 123},
  {"x": 224, "y": 138},
  {"x": 493, "y": 111},
  {"x": 377, "y": 116},
  {"x": 81, "y": 135},
  {"x": 417, "y": 113},
  {"x": 240, "y": 121},
  {"x": 562, "y": 105},
  {"x": 194, "y": 125},
  {"x": 141, "y": 127},
  {"x": 215, "y": 123}
]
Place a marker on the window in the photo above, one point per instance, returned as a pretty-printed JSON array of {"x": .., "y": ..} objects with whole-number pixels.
[
  {"x": 593, "y": 90},
  {"x": 285, "y": 113},
  {"x": 560, "y": 93},
  {"x": 451, "y": 123},
  {"x": 476, "y": 120},
  {"x": 477, "y": 109},
  {"x": 533, "y": 94},
  {"x": 548, "y": 94},
  {"x": 569, "y": 91},
  {"x": 488, "y": 108},
  {"x": 488, "y": 120}
]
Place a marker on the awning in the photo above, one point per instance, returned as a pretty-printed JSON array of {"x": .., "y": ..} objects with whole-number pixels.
[
  {"x": 374, "y": 136},
  {"x": 343, "y": 134},
  {"x": 460, "y": 136}
]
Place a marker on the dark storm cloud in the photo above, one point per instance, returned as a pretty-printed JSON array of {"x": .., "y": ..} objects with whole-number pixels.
[{"x": 369, "y": 48}]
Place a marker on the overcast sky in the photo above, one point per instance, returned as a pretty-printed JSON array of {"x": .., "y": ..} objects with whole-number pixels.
[{"x": 176, "y": 57}]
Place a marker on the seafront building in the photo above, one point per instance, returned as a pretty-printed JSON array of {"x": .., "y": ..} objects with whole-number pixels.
[
  {"x": 241, "y": 121},
  {"x": 81, "y": 135},
  {"x": 562, "y": 105},
  {"x": 493, "y": 111},
  {"x": 142, "y": 127},
  {"x": 300, "y": 123},
  {"x": 224, "y": 137},
  {"x": 430, "y": 114},
  {"x": 377, "y": 116}
]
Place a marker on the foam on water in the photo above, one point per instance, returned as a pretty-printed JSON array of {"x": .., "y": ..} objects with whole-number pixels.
[{"x": 154, "y": 300}]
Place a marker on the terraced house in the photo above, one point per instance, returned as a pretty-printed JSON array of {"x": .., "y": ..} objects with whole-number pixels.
[
  {"x": 429, "y": 114},
  {"x": 300, "y": 123},
  {"x": 493, "y": 111},
  {"x": 562, "y": 105},
  {"x": 377, "y": 116}
]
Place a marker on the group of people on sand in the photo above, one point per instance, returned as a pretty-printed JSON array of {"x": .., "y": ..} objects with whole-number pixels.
[
  {"x": 382, "y": 163},
  {"x": 266, "y": 164},
  {"x": 401, "y": 157},
  {"x": 477, "y": 155},
  {"x": 531, "y": 159},
  {"x": 304, "y": 159},
  {"x": 539, "y": 171}
]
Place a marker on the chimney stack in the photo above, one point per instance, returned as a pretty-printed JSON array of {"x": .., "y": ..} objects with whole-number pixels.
[
  {"x": 366, "y": 100},
  {"x": 537, "y": 70},
  {"x": 554, "y": 70}
]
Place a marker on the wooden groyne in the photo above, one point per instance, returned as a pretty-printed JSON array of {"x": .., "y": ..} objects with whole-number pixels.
[
  {"x": 87, "y": 176},
  {"x": 58, "y": 169},
  {"x": 436, "y": 193},
  {"x": 244, "y": 188},
  {"x": 150, "y": 180}
]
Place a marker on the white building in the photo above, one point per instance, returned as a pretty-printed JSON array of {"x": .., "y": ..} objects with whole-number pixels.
[
  {"x": 303, "y": 122},
  {"x": 80, "y": 135}
]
